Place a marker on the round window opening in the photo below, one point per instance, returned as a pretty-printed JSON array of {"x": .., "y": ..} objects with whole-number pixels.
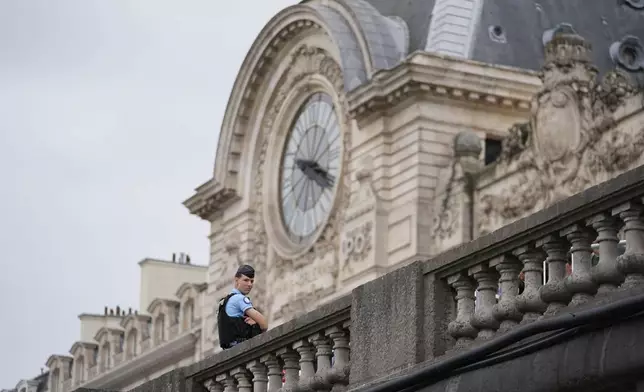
[{"x": 309, "y": 169}]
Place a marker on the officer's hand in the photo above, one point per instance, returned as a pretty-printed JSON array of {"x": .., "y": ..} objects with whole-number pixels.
[{"x": 249, "y": 321}]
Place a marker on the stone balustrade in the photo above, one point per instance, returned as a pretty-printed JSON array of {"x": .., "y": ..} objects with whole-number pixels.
[
  {"x": 310, "y": 353},
  {"x": 173, "y": 331},
  {"x": 538, "y": 268}
]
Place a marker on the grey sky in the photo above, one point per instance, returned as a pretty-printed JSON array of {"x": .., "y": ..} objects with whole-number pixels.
[{"x": 109, "y": 117}]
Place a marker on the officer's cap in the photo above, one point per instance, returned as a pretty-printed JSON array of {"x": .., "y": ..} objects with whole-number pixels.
[{"x": 245, "y": 270}]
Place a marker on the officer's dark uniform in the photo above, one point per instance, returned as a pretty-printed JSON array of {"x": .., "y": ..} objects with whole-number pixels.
[{"x": 230, "y": 318}]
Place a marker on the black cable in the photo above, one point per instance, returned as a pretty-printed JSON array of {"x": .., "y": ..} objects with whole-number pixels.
[
  {"x": 438, "y": 371},
  {"x": 537, "y": 345}
]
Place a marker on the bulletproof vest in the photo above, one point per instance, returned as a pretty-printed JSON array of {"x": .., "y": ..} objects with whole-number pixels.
[{"x": 233, "y": 329}]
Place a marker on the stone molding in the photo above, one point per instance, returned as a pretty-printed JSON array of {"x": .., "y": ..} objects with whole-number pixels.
[{"x": 444, "y": 77}]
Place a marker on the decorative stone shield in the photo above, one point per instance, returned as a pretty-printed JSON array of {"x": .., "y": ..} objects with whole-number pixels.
[{"x": 557, "y": 128}]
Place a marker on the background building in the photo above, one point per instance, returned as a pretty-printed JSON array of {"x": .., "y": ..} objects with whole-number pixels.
[{"x": 354, "y": 127}]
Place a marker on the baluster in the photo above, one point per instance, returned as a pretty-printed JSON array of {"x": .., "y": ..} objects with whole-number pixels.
[
  {"x": 274, "y": 372},
  {"x": 213, "y": 386},
  {"x": 461, "y": 328},
  {"x": 323, "y": 354},
  {"x": 228, "y": 382},
  {"x": 487, "y": 284},
  {"x": 291, "y": 368},
  {"x": 580, "y": 282},
  {"x": 530, "y": 302},
  {"x": 339, "y": 374},
  {"x": 507, "y": 308},
  {"x": 605, "y": 273},
  {"x": 307, "y": 366},
  {"x": 243, "y": 381},
  {"x": 631, "y": 263},
  {"x": 260, "y": 377},
  {"x": 554, "y": 293}
]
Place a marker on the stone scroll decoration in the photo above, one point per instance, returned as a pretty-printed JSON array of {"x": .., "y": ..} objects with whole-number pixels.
[
  {"x": 583, "y": 131},
  {"x": 365, "y": 225},
  {"x": 450, "y": 226},
  {"x": 305, "y": 62}
]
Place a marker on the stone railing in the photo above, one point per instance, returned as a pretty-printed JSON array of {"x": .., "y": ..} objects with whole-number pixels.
[
  {"x": 92, "y": 372},
  {"x": 145, "y": 344},
  {"x": 67, "y": 385},
  {"x": 311, "y": 352},
  {"x": 118, "y": 358},
  {"x": 173, "y": 331},
  {"x": 470, "y": 298}
]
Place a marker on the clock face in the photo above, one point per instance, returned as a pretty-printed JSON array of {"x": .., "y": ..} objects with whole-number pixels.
[{"x": 310, "y": 168}]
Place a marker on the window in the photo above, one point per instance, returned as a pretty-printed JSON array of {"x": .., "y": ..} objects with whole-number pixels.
[
  {"x": 106, "y": 356},
  {"x": 492, "y": 150},
  {"x": 79, "y": 369},
  {"x": 188, "y": 315},
  {"x": 131, "y": 343},
  {"x": 159, "y": 329}
]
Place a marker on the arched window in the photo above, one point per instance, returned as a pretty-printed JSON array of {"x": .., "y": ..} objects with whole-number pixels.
[
  {"x": 55, "y": 380},
  {"x": 132, "y": 337},
  {"x": 106, "y": 356},
  {"x": 79, "y": 368},
  {"x": 176, "y": 311},
  {"x": 121, "y": 342},
  {"x": 159, "y": 329},
  {"x": 188, "y": 315},
  {"x": 95, "y": 356}
]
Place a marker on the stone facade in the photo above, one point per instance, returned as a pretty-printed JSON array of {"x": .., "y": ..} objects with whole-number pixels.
[
  {"x": 421, "y": 134},
  {"x": 441, "y": 152}
]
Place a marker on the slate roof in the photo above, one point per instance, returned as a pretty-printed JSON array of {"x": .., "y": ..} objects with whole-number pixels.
[{"x": 522, "y": 24}]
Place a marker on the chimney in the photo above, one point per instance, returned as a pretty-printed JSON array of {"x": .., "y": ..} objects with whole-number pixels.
[
  {"x": 187, "y": 259},
  {"x": 42, "y": 371},
  {"x": 129, "y": 310},
  {"x": 111, "y": 312},
  {"x": 136, "y": 312},
  {"x": 174, "y": 257},
  {"x": 105, "y": 312},
  {"x": 118, "y": 310}
]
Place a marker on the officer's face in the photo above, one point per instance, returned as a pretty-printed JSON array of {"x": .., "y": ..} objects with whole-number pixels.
[{"x": 244, "y": 284}]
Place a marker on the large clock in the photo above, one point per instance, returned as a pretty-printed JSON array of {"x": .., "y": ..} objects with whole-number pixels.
[{"x": 310, "y": 168}]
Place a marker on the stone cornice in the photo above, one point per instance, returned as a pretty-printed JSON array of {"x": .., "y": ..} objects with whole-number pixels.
[
  {"x": 209, "y": 199},
  {"x": 446, "y": 78}
]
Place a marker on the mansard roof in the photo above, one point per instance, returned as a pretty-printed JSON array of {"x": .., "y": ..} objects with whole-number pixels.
[
  {"x": 510, "y": 32},
  {"x": 79, "y": 345},
  {"x": 54, "y": 357},
  {"x": 131, "y": 317},
  {"x": 159, "y": 301},
  {"x": 105, "y": 330},
  {"x": 185, "y": 286}
]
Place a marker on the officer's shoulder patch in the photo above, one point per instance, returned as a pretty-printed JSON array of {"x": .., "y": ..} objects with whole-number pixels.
[{"x": 246, "y": 300}]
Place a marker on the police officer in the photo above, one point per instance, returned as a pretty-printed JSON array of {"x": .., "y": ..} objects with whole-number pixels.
[{"x": 237, "y": 319}]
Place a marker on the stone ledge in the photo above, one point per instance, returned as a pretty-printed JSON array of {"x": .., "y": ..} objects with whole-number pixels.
[
  {"x": 498, "y": 371},
  {"x": 576, "y": 208},
  {"x": 299, "y": 328}
]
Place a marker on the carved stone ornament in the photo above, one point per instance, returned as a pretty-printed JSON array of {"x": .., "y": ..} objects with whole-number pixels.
[
  {"x": 572, "y": 142},
  {"x": 356, "y": 244},
  {"x": 305, "y": 62}
]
